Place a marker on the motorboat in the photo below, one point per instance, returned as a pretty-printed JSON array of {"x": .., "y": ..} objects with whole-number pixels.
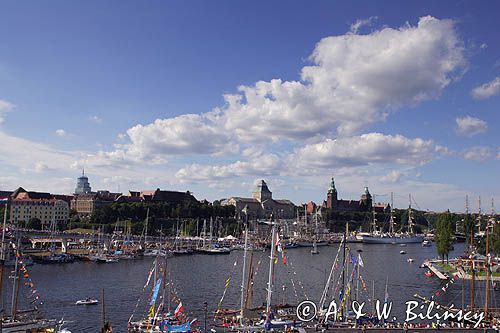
[
  {"x": 410, "y": 259},
  {"x": 87, "y": 301},
  {"x": 426, "y": 243},
  {"x": 402, "y": 252}
]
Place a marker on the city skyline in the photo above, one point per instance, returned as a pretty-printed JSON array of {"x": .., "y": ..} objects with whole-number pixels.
[{"x": 211, "y": 98}]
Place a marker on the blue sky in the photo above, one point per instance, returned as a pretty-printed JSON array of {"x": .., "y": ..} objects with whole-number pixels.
[{"x": 149, "y": 94}]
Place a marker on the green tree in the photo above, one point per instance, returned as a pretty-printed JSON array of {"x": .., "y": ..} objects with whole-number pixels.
[
  {"x": 34, "y": 223},
  {"x": 444, "y": 235}
]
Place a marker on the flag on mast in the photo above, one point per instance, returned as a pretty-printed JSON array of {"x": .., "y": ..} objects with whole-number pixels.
[{"x": 179, "y": 309}]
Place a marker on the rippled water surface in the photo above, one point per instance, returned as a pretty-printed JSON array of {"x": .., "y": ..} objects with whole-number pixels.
[{"x": 200, "y": 278}]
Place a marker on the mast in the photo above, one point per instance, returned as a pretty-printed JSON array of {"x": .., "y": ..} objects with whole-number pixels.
[
  {"x": 374, "y": 221},
  {"x": 410, "y": 220},
  {"x": 15, "y": 286},
  {"x": 146, "y": 229},
  {"x": 164, "y": 280},
  {"x": 204, "y": 231},
  {"x": 487, "y": 268},
  {"x": 343, "y": 272},
  {"x": 489, "y": 224},
  {"x": 3, "y": 229},
  {"x": 2, "y": 258},
  {"x": 472, "y": 287},
  {"x": 466, "y": 223},
  {"x": 242, "y": 304},
  {"x": 249, "y": 292},
  {"x": 271, "y": 269},
  {"x": 479, "y": 216},
  {"x": 391, "y": 221}
]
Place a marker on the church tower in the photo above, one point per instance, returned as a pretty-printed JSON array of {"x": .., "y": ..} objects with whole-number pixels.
[
  {"x": 366, "y": 200},
  {"x": 331, "y": 197}
]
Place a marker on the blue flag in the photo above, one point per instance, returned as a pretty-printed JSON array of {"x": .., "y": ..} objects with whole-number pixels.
[{"x": 155, "y": 292}]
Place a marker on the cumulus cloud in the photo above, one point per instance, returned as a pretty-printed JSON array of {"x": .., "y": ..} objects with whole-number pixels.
[
  {"x": 189, "y": 133},
  {"x": 477, "y": 153},
  {"x": 60, "y": 132},
  {"x": 4, "y": 108},
  {"x": 470, "y": 126},
  {"x": 353, "y": 81},
  {"x": 264, "y": 165},
  {"x": 487, "y": 90},
  {"x": 371, "y": 148}
]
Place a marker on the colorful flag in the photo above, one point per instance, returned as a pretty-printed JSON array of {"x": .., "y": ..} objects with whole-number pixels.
[
  {"x": 360, "y": 261},
  {"x": 155, "y": 292},
  {"x": 179, "y": 309}
]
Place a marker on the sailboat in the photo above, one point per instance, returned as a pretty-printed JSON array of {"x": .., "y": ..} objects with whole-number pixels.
[
  {"x": 377, "y": 237},
  {"x": 268, "y": 320},
  {"x": 159, "y": 319},
  {"x": 28, "y": 320},
  {"x": 211, "y": 248}
]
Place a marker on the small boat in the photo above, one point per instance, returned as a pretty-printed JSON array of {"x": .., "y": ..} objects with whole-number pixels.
[
  {"x": 87, "y": 301},
  {"x": 402, "y": 245},
  {"x": 402, "y": 252},
  {"x": 410, "y": 260},
  {"x": 314, "y": 249},
  {"x": 428, "y": 274},
  {"x": 426, "y": 243}
]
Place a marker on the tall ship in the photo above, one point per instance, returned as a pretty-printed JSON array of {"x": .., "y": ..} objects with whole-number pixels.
[{"x": 378, "y": 237}]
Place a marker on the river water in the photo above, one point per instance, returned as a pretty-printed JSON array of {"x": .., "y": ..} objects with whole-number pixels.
[{"x": 201, "y": 278}]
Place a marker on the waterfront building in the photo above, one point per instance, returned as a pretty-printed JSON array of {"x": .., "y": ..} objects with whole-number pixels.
[
  {"x": 262, "y": 204},
  {"x": 82, "y": 184},
  {"x": 171, "y": 197},
  {"x": 41, "y": 205},
  {"x": 87, "y": 203},
  {"x": 365, "y": 204}
]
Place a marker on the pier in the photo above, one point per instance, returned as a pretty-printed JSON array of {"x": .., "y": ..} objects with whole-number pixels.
[{"x": 435, "y": 270}]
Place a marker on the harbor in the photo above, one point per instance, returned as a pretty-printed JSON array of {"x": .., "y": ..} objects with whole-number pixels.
[{"x": 187, "y": 166}]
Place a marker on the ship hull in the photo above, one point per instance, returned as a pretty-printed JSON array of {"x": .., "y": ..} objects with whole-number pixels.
[{"x": 392, "y": 240}]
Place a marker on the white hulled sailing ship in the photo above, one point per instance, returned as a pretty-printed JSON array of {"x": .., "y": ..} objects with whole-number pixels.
[{"x": 391, "y": 237}]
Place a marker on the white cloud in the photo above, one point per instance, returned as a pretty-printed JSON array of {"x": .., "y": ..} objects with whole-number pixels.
[
  {"x": 371, "y": 148},
  {"x": 360, "y": 23},
  {"x": 263, "y": 165},
  {"x": 4, "y": 108},
  {"x": 470, "y": 126},
  {"x": 392, "y": 177},
  {"x": 184, "y": 134},
  {"x": 353, "y": 81},
  {"x": 477, "y": 153},
  {"x": 60, "y": 132},
  {"x": 96, "y": 119},
  {"x": 487, "y": 90}
]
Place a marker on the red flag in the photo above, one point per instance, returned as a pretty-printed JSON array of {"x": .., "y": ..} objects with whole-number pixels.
[{"x": 179, "y": 309}]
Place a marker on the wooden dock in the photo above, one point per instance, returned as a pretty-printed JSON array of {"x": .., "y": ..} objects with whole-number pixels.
[{"x": 436, "y": 271}]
